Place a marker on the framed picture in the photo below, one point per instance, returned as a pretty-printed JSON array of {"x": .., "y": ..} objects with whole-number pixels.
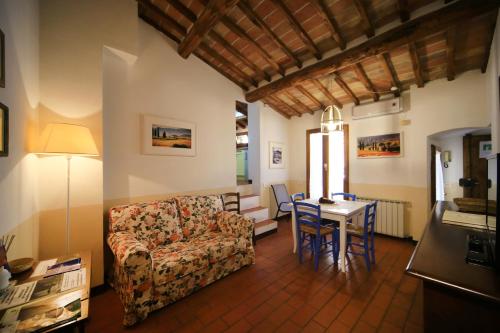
[
  {"x": 163, "y": 136},
  {"x": 4, "y": 130},
  {"x": 485, "y": 148},
  {"x": 276, "y": 155},
  {"x": 385, "y": 145},
  {"x": 2, "y": 59}
]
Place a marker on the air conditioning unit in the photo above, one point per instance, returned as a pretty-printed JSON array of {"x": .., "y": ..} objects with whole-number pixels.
[{"x": 380, "y": 108}]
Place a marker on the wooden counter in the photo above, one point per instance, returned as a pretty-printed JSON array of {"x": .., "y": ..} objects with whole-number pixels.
[{"x": 457, "y": 296}]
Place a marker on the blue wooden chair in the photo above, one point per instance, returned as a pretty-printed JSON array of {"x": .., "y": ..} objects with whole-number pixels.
[
  {"x": 308, "y": 223},
  {"x": 364, "y": 235},
  {"x": 297, "y": 196},
  {"x": 347, "y": 196}
]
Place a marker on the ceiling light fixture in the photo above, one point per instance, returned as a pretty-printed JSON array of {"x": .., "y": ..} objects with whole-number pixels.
[{"x": 331, "y": 117}]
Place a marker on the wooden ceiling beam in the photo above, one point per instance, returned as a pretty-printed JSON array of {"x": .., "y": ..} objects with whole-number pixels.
[
  {"x": 285, "y": 105},
  {"x": 205, "y": 48},
  {"x": 306, "y": 93},
  {"x": 297, "y": 101},
  {"x": 346, "y": 89},
  {"x": 416, "y": 65},
  {"x": 365, "y": 20},
  {"x": 170, "y": 23},
  {"x": 450, "y": 52},
  {"x": 404, "y": 12},
  {"x": 188, "y": 14},
  {"x": 185, "y": 11},
  {"x": 229, "y": 76},
  {"x": 363, "y": 78},
  {"x": 299, "y": 30},
  {"x": 276, "y": 108},
  {"x": 491, "y": 33},
  {"x": 327, "y": 93},
  {"x": 238, "y": 55},
  {"x": 413, "y": 30},
  {"x": 158, "y": 27},
  {"x": 390, "y": 72},
  {"x": 327, "y": 17},
  {"x": 243, "y": 35},
  {"x": 211, "y": 15},
  {"x": 259, "y": 22}
]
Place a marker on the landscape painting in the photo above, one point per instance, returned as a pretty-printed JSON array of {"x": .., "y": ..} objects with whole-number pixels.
[
  {"x": 164, "y": 136},
  {"x": 171, "y": 137},
  {"x": 386, "y": 145}
]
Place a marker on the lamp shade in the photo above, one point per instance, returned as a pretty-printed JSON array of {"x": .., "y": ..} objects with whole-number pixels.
[{"x": 67, "y": 139}]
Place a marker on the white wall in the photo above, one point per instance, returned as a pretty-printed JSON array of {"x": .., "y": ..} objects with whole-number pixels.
[
  {"x": 273, "y": 128},
  {"x": 18, "y": 173},
  {"x": 161, "y": 83}
]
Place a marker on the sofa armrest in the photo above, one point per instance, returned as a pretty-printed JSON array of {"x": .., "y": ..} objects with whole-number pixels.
[
  {"x": 128, "y": 251},
  {"x": 132, "y": 276},
  {"x": 235, "y": 224}
]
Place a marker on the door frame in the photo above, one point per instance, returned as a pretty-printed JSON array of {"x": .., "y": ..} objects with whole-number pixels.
[{"x": 326, "y": 170}]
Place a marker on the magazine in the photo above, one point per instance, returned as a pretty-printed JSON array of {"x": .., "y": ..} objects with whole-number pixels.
[
  {"x": 40, "y": 317},
  {"x": 63, "y": 267},
  {"x": 30, "y": 291}
]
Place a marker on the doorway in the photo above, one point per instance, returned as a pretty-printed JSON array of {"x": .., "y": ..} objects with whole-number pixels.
[
  {"x": 327, "y": 163},
  {"x": 242, "y": 165}
]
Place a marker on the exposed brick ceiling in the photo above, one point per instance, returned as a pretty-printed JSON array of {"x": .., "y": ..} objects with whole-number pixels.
[{"x": 253, "y": 42}]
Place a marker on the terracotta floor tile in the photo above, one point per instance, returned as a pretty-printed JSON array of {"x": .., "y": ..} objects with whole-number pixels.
[
  {"x": 217, "y": 325},
  {"x": 396, "y": 316},
  {"x": 281, "y": 314},
  {"x": 264, "y": 327},
  {"x": 373, "y": 315},
  {"x": 362, "y": 327},
  {"x": 236, "y": 314},
  {"x": 279, "y": 294},
  {"x": 389, "y": 328},
  {"x": 327, "y": 315},
  {"x": 240, "y": 326},
  {"x": 338, "y": 327},
  {"x": 288, "y": 327},
  {"x": 303, "y": 314},
  {"x": 259, "y": 314},
  {"x": 313, "y": 327}
]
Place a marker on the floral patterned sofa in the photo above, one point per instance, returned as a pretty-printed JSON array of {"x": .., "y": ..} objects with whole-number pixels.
[{"x": 165, "y": 250}]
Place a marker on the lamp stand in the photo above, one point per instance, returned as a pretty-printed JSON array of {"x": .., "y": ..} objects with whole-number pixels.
[{"x": 68, "y": 221}]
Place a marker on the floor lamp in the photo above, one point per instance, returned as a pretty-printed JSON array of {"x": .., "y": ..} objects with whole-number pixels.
[{"x": 68, "y": 140}]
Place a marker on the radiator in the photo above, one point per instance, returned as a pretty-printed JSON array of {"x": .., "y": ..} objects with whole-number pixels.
[{"x": 390, "y": 217}]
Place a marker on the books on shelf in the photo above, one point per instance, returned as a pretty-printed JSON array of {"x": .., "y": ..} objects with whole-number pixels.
[{"x": 40, "y": 317}]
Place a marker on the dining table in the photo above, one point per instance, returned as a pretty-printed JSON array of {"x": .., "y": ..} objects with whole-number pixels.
[{"x": 341, "y": 211}]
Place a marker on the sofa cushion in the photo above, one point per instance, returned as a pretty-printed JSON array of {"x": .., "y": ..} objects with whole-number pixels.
[
  {"x": 198, "y": 214},
  {"x": 219, "y": 246},
  {"x": 153, "y": 223},
  {"x": 173, "y": 261}
]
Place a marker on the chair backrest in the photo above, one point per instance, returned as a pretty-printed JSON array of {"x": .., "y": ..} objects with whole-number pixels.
[
  {"x": 297, "y": 196},
  {"x": 348, "y": 196},
  {"x": 280, "y": 193},
  {"x": 231, "y": 202},
  {"x": 307, "y": 214},
  {"x": 370, "y": 217}
]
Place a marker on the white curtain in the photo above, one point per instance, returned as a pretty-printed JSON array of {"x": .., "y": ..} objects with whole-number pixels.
[
  {"x": 439, "y": 177},
  {"x": 316, "y": 166},
  {"x": 336, "y": 147}
]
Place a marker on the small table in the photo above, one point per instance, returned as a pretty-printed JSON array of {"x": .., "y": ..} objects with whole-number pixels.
[
  {"x": 82, "y": 292},
  {"x": 340, "y": 211}
]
